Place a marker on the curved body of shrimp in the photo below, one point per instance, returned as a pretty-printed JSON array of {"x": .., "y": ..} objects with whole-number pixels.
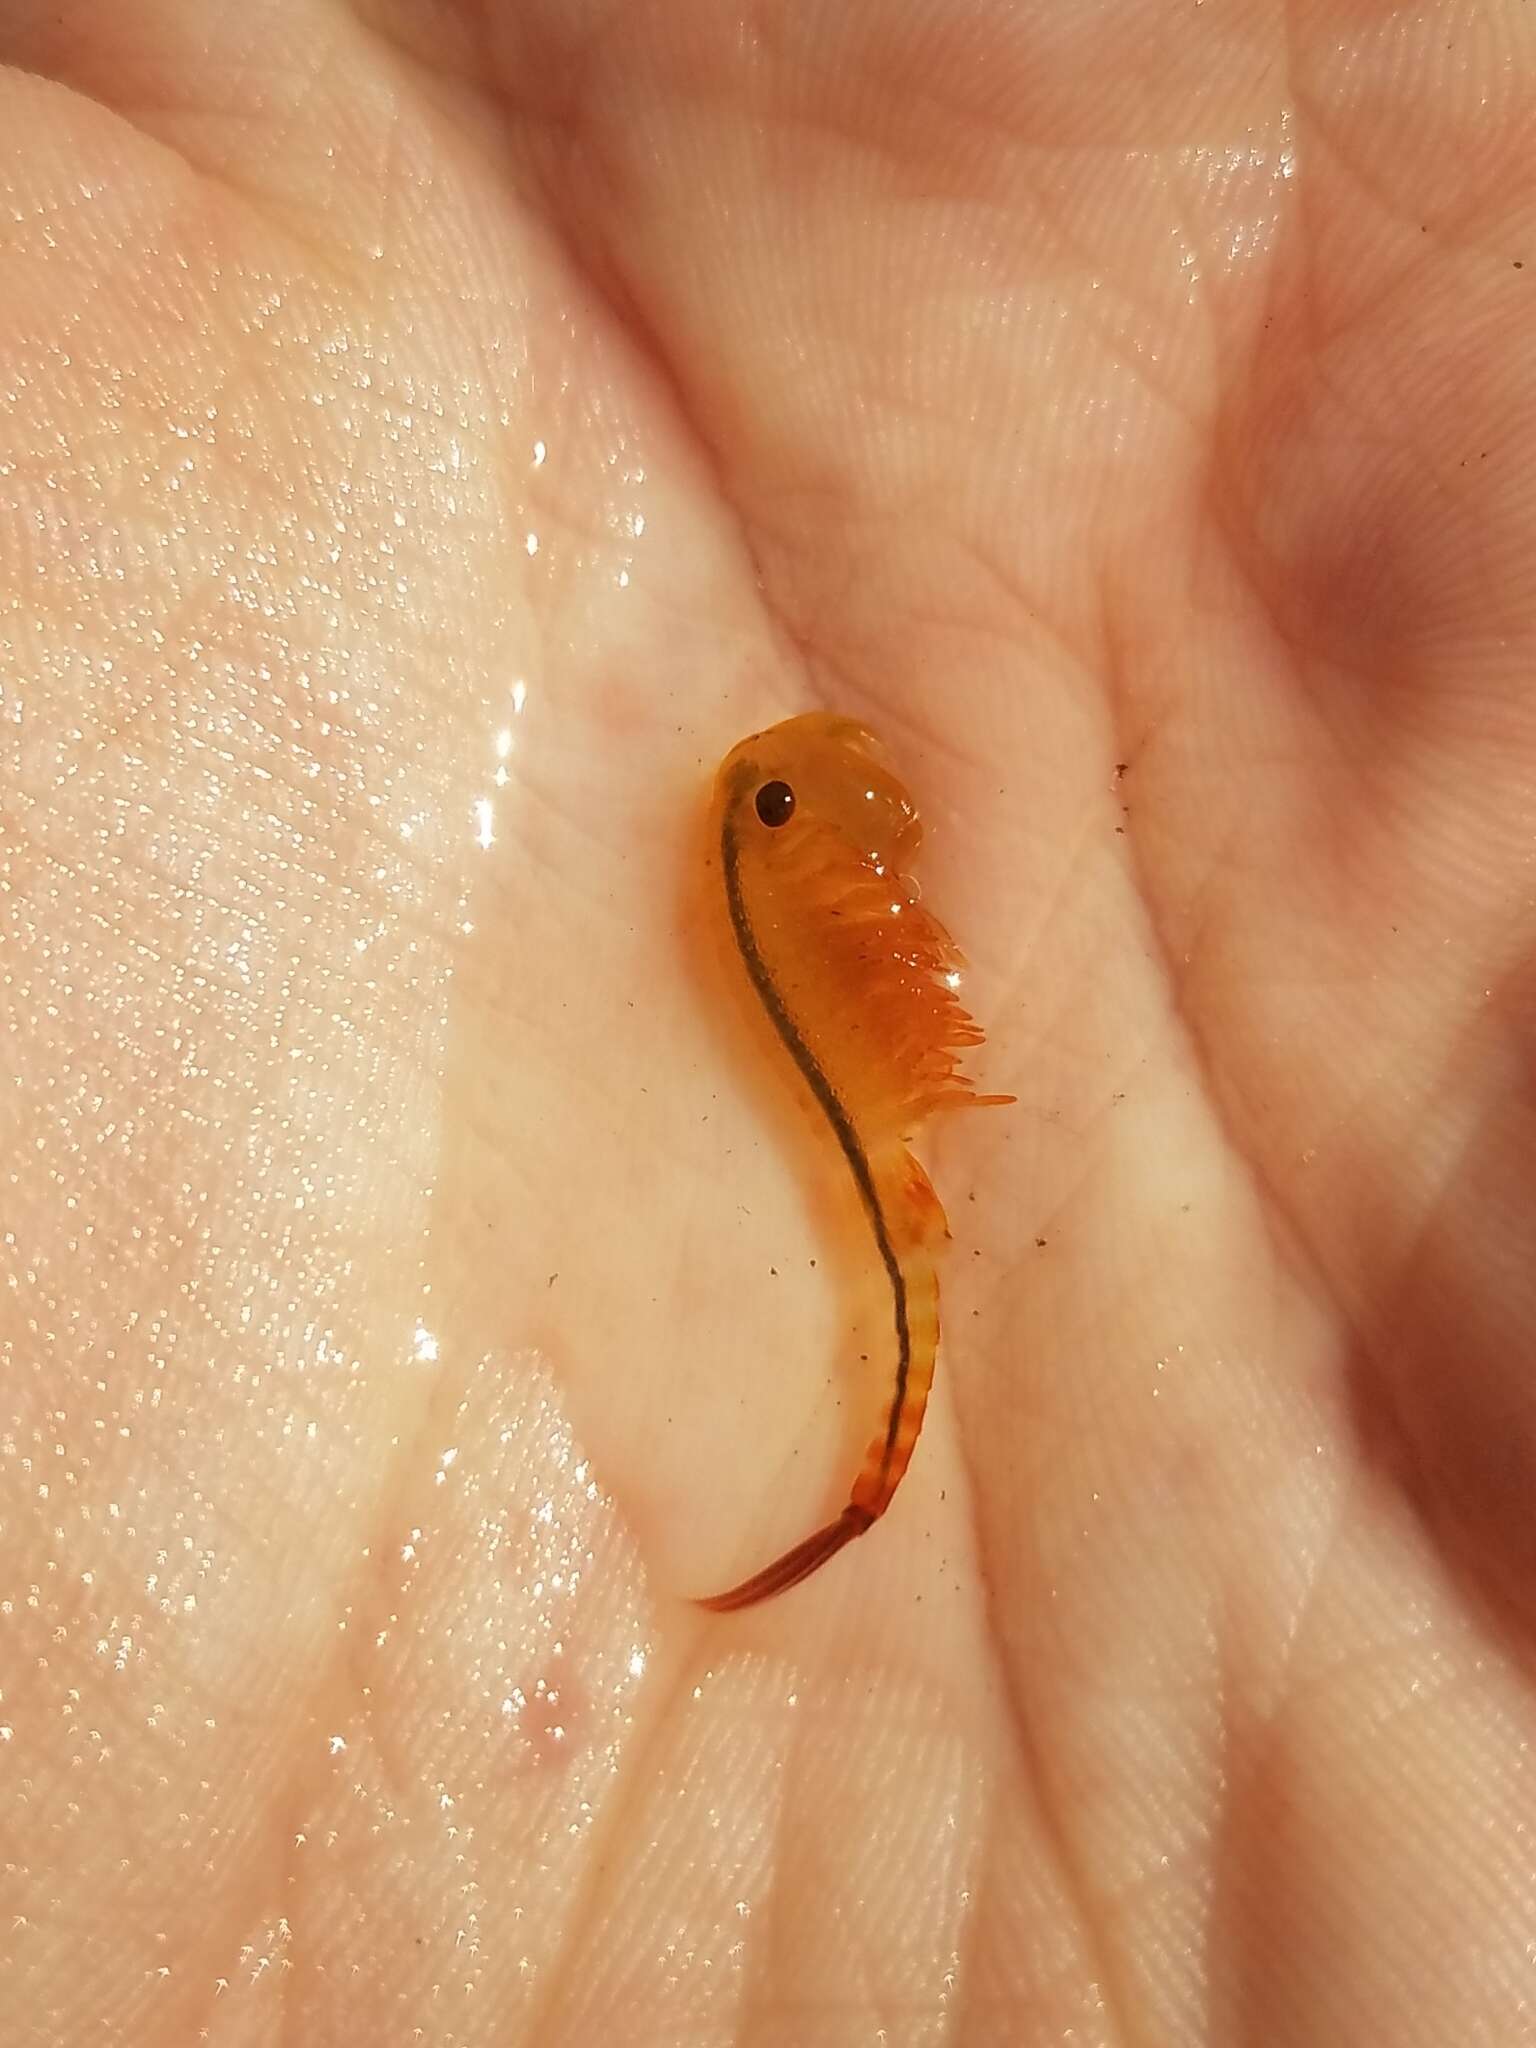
[{"x": 813, "y": 833}]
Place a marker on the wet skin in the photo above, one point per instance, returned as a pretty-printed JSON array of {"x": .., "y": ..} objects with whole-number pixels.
[{"x": 430, "y": 438}]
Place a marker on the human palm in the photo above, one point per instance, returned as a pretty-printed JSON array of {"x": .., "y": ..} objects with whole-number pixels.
[{"x": 432, "y": 436}]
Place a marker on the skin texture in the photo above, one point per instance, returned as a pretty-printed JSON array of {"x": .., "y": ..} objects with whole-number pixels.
[{"x": 430, "y": 437}]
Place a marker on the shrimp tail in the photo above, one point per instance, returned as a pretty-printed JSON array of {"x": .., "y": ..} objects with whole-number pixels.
[
  {"x": 890, "y": 1450},
  {"x": 796, "y": 1564},
  {"x": 922, "y": 1226}
]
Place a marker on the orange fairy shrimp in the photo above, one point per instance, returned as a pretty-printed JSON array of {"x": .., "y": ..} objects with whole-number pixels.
[{"x": 859, "y": 981}]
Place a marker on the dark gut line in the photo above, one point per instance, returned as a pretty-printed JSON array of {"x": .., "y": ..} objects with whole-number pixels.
[{"x": 833, "y": 1110}]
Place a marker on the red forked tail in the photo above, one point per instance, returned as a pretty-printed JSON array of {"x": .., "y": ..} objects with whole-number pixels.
[{"x": 795, "y": 1565}]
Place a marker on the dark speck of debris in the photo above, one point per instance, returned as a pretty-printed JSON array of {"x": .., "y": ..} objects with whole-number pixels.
[
  {"x": 1040, "y": 1244},
  {"x": 552, "y": 1279},
  {"x": 774, "y": 1271},
  {"x": 1122, "y": 769}
]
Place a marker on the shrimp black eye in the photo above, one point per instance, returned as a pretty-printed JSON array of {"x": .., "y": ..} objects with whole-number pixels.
[{"x": 775, "y": 803}]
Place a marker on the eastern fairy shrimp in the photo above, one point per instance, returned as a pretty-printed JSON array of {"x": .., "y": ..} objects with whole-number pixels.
[{"x": 814, "y": 834}]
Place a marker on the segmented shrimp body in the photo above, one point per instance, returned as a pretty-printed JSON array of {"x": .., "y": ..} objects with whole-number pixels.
[{"x": 814, "y": 834}]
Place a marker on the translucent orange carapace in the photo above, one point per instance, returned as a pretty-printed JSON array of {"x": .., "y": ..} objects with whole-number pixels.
[{"x": 814, "y": 834}]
